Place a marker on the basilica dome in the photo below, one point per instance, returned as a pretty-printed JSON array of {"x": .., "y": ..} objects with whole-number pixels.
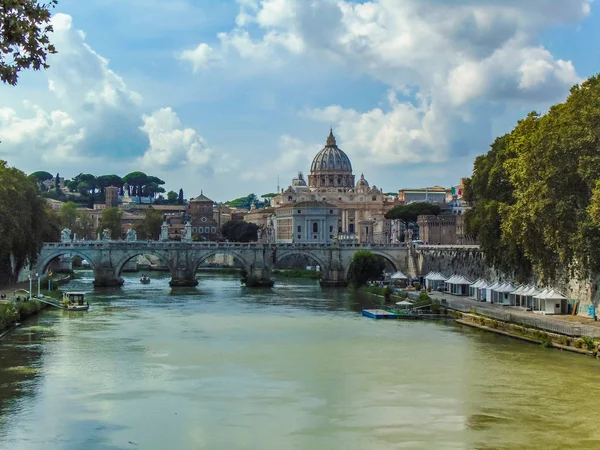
[
  {"x": 362, "y": 182},
  {"x": 331, "y": 167},
  {"x": 299, "y": 181}
]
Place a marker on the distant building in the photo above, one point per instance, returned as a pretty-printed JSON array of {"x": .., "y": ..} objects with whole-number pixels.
[
  {"x": 202, "y": 219},
  {"x": 361, "y": 207},
  {"x": 111, "y": 196},
  {"x": 259, "y": 217},
  {"x": 56, "y": 205},
  {"x": 434, "y": 194},
  {"x": 306, "y": 222},
  {"x": 445, "y": 229}
]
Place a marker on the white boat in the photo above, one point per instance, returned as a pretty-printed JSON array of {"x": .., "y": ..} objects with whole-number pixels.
[
  {"x": 75, "y": 301},
  {"x": 145, "y": 279}
]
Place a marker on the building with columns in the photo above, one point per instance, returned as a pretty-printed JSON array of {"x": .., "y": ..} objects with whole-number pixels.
[
  {"x": 360, "y": 207},
  {"x": 311, "y": 222}
]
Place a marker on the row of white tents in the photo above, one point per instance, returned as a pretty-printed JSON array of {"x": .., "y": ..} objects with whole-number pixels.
[{"x": 546, "y": 301}]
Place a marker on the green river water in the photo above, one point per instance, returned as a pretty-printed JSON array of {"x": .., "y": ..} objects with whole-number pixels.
[{"x": 295, "y": 367}]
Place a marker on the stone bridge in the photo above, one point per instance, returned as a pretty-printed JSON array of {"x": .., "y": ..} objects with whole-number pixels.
[{"x": 107, "y": 258}]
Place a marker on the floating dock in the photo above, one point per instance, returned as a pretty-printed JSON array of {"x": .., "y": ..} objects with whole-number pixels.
[{"x": 378, "y": 314}]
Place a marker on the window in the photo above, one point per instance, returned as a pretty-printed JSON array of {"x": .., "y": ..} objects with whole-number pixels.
[
  {"x": 195, "y": 229},
  {"x": 289, "y": 198},
  {"x": 331, "y": 228},
  {"x": 203, "y": 219},
  {"x": 331, "y": 211},
  {"x": 374, "y": 198},
  {"x": 299, "y": 228},
  {"x": 299, "y": 236},
  {"x": 351, "y": 228},
  {"x": 299, "y": 211},
  {"x": 315, "y": 227},
  {"x": 213, "y": 230}
]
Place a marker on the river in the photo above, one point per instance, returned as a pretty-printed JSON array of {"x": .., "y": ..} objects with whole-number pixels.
[{"x": 295, "y": 367}]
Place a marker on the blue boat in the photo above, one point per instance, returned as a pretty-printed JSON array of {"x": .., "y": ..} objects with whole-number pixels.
[{"x": 378, "y": 314}]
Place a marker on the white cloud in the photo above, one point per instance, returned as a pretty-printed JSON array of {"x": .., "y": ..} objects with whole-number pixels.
[
  {"x": 93, "y": 117},
  {"x": 170, "y": 143},
  {"x": 201, "y": 57},
  {"x": 455, "y": 55}
]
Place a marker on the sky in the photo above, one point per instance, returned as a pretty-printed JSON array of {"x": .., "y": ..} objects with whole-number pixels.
[{"x": 225, "y": 96}]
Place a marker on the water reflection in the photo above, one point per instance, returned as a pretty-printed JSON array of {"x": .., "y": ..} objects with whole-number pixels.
[{"x": 220, "y": 367}]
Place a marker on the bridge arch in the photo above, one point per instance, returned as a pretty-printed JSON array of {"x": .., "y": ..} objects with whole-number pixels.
[
  {"x": 135, "y": 253},
  {"x": 45, "y": 260},
  {"x": 279, "y": 256},
  {"x": 203, "y": 256},
  {"x": 392, "y": 261}
]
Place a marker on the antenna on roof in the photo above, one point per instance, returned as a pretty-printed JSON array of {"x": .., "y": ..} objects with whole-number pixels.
[{"x": 278, "y": 184}]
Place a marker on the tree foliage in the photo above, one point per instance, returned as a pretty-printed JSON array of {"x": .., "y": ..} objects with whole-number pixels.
[
  {"x": 365, "y": 266},
  {"x": 536, "y": 193},
  {"x": 246, "y": 202},
  {"x": 68, "y": 215},
  {"x": 240, "y": 231},
  {"x": 26, "y": 222},
  {"x": 24, "y": 42},
  {"x": 112, "y": 218},
  {"x": 84, "y": 226},
  {"x": 149, "y": 228}
]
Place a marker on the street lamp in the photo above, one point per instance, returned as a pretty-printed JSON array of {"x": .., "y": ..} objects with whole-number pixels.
[
  {"x": 39, "y": 294},
  {"x": 29, "y": 277}
]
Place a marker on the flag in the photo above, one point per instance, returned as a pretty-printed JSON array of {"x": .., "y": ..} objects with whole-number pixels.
[{"x": 453, "y": 190}]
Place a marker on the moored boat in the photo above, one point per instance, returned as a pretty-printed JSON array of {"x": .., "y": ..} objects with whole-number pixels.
[
  {"x": 75, "y": 301},
  {"x": 145, "y": 279}
]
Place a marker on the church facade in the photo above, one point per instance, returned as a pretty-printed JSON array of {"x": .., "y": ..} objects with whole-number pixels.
[{"x": 359, "y": 208}]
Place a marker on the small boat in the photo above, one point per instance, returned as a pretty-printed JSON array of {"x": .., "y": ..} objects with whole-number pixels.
[
  {"x": 75, "y": 301},
  {"x": 145, "y": 279}
]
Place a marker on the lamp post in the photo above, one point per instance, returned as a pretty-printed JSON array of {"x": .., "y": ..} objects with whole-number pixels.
[
  {"x": 29, "y": 276},
  {"x": 39, "y": 277}
]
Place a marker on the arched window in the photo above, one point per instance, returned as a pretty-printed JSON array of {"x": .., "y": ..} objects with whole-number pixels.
[{"x": 315, "y": 227}]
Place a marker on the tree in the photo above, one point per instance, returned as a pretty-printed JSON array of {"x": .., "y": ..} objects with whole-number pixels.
[
  {"x": 245, "y": 202},
  {"x": 24, "y": 41},
  {"x": 535, "y": 193},
  {"x": 180, "y": 199},
  {"x": 149, "y": 228},
  {"x": 365, "y": 266},
  {"x": 57, "y": 182},
  {"x": 172, "y": 197},
  {"x": 41, "y": 176},
  {"x": 25, "y": 222},
  {"x": 137, "y": 180},
  {"x": 112, "y": 219},
  {"x": 68, "y": 215},
  {"x": 84, "y": 226},
  {"x": 240, "y": 231}
]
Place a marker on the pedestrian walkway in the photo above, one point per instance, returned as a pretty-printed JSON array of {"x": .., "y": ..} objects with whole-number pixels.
[{"x": 554, "y": 324}]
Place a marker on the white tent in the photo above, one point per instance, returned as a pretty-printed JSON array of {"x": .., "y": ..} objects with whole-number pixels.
[
  {"x": 489, "y": 291},
  {"x": 458, "y": 285},
  {"x": 481, "y": 290},
  {"x": 516, "y": 297},
  {"x": 404, "y": 303},
  {"x": 503, "y": 293},
  {"x": 434, "y": 280},
  {"x": 473, "y": 289},
  {"x": 551, "y": 302},
  {"x": 399, "y": 276}
]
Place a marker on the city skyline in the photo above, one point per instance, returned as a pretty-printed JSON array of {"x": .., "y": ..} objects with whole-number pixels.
[{"x": 227, "y": 98}]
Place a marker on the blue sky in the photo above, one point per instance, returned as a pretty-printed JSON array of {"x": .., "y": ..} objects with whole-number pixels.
[{"x": 224, "y": 96}]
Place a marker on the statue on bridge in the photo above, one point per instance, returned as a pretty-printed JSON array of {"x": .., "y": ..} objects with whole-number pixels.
[
  {"x": 259, "y": 234},
  {"x": 395, "y": 231},
  {"x": 131, "y": 235},
  {"x": 187, "y": 235},
  {"x": 164, "y": 229},
  {"x": 106, "y": 234},
  {"x": 65, "y": 235}
]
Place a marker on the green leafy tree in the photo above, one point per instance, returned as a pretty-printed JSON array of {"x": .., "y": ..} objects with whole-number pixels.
[
  {"x": 84, "y": 226},
  {"x": 535, "y": 194},
  {"x": 365, "y": 266},
  {"x": 112, "y": 218},
  {"x": 24, "y": 42},
  {"x": 41, "y": 176},
  {"x": 240, "y": 231},
  {"x": 172, "y": 197},
  {"x": 25, "y": 223},
  {"x": 149, "y": 228},
  {"x": 245, "y": 202},
  {"x": 68, "y": 215},
  {"x": 137, "y": 180}
]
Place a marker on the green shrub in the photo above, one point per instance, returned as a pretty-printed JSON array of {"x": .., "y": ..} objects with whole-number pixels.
[
  {"x": 418, "y": 287},
  {"x": 563, "y": 340},
  {"x": 588, "y": 343},
  {"x": 578, "y": 343}
]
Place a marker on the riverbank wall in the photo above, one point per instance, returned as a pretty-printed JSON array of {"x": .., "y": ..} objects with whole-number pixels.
[
  {"x": 469, "y": 261},
  {"x": 582, "y": 346}
]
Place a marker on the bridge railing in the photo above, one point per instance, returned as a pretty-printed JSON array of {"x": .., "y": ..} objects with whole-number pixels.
[{"x": 213, "y": 244}]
